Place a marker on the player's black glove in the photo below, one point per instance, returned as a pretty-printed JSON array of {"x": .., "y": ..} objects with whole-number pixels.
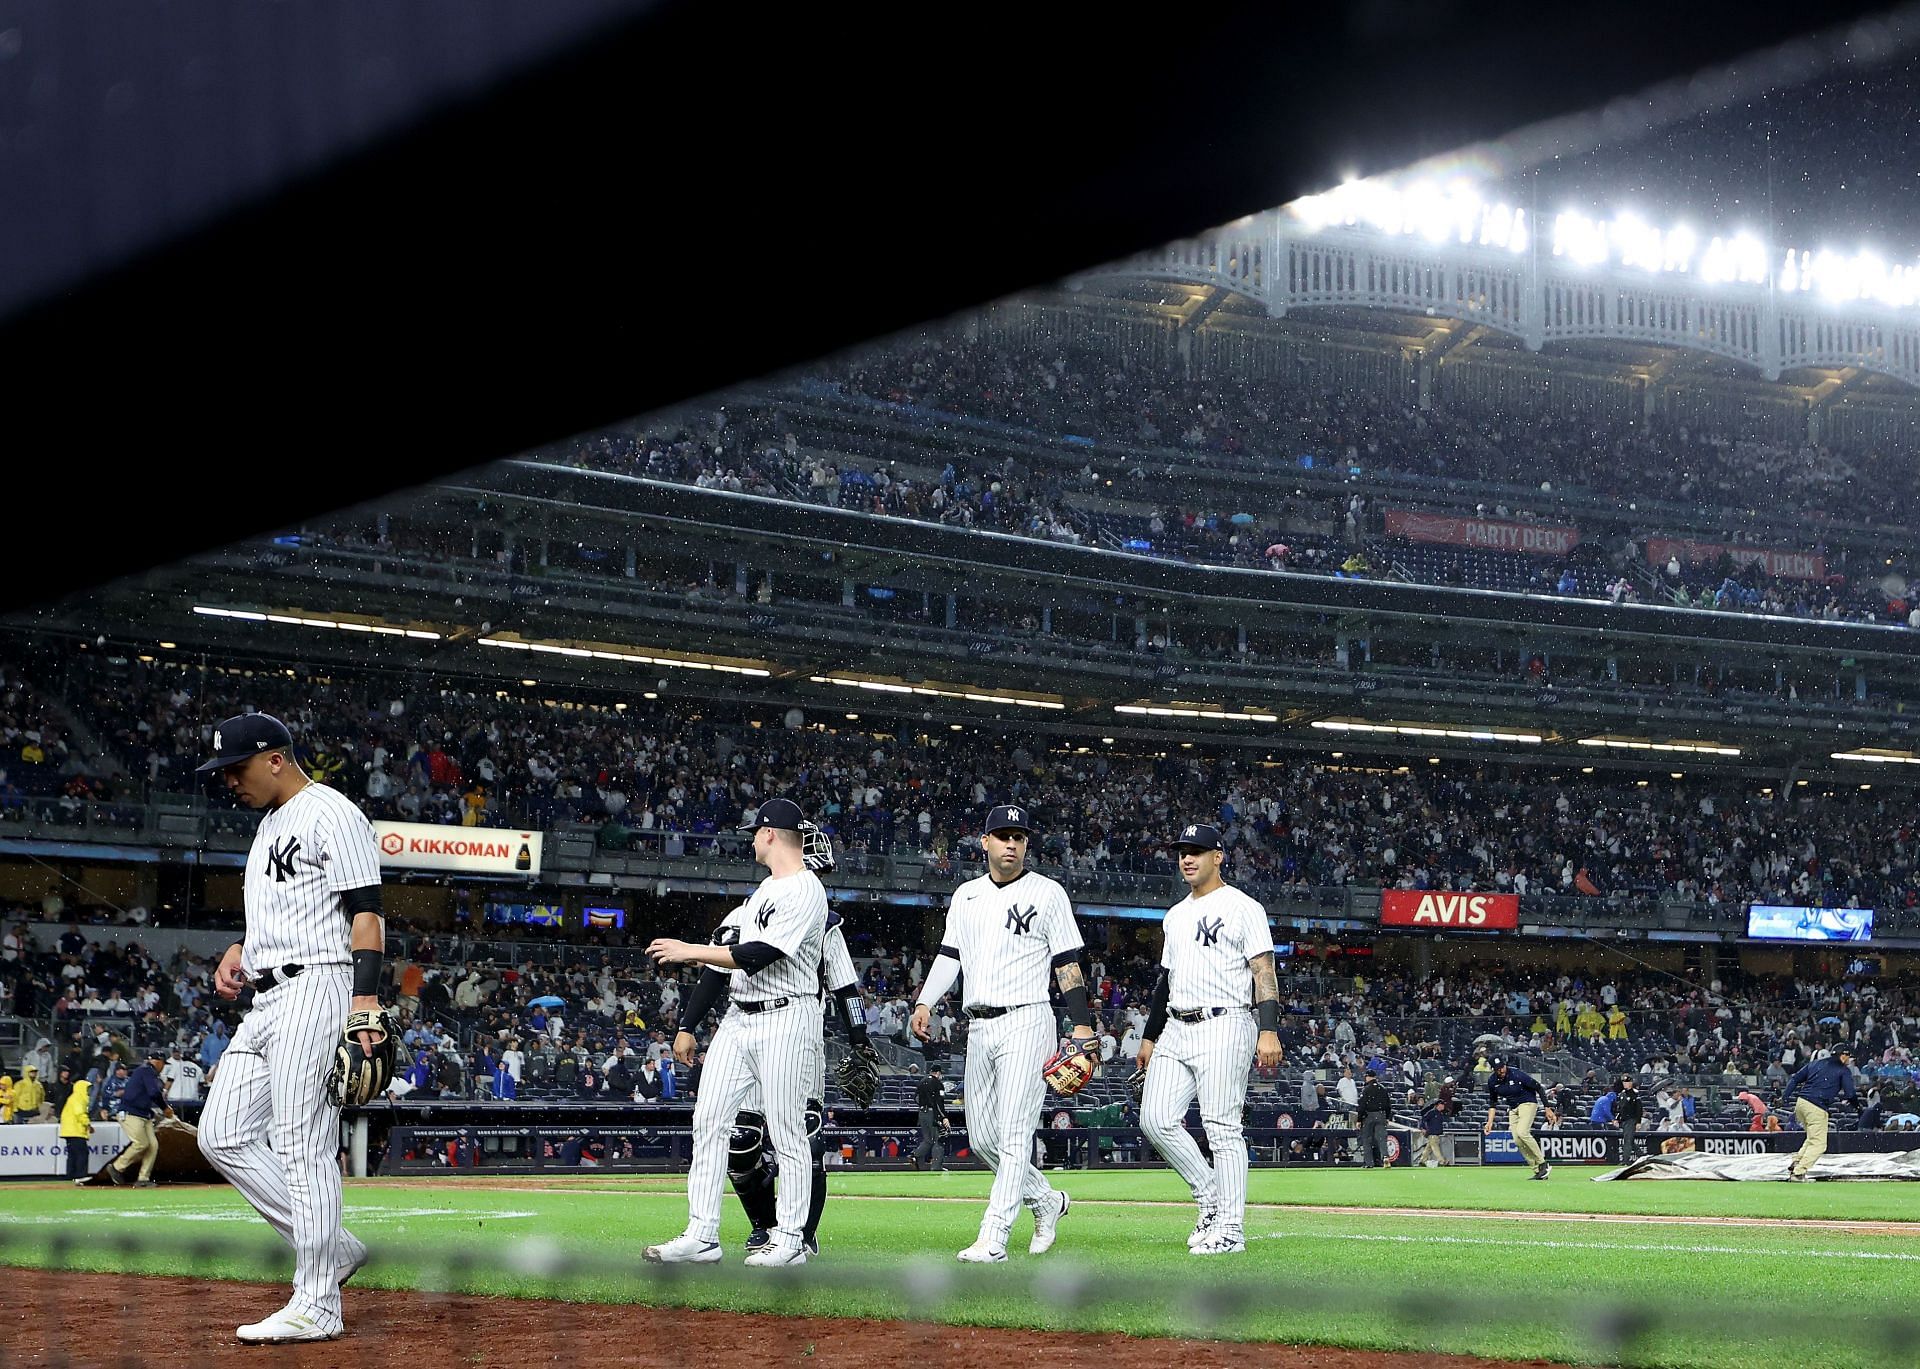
[
  {"x": 859, "y": 1075},
  {"x": 1137, "y": 1082},
  {"x": 361, "y": 1073}
]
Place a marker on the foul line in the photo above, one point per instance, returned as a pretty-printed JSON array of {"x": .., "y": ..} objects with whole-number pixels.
[
  {"x": 1507, "y": 1243},
  {"x": 1837, "y": 1225}
]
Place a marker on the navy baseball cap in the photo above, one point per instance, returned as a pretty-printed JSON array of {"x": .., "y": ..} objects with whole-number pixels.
[
  {"x": 784, "y": 814},
  {"x": 250, "y": 734},
  {"x": 1007, "y": 817},
  {"x": 1201, "y": 834}
]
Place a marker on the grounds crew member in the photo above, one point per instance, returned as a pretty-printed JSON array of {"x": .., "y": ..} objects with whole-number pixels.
[
  {"x": 1818, "y": 1083},
  {"x": 143, "y": 1097}
]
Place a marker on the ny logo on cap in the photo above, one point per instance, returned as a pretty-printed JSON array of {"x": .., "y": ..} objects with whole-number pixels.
[
  {"x": 216, "y": 739},
  {"x": 1192, "y": 831}
]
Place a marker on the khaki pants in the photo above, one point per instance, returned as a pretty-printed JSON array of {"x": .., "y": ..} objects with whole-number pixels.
[
  {"x": 1430, "y": 1151},
  {"x": 1520, "y": 1123},
  {"x": 140, "y": 1145},
  {"x": 1814, "y": 1119}
]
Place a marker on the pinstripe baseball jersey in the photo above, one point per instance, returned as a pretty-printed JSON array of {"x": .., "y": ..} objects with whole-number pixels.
[
  {"x": 1208, "y": 944},
  {"x": 836, "y": 965},
  {"x": 306, "y": 853},
  {"x": 789, "y": 913},
  {"x": 1007, "y": 936}
]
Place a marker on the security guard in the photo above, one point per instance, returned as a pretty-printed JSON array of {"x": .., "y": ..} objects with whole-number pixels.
[{"x": 932, "y": 1099}]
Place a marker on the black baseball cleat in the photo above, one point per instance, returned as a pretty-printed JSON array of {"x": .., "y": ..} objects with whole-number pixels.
[
  {"x": 119, "y": 1176},
  {"x": 759, "y": 1240},
  {"x": 1543, "y": 1171},
  {"x": 810, "y": 1245}
]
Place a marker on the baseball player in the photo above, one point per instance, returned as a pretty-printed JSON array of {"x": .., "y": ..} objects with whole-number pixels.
[
  {"x": 1216, "y": 962},
  {"x": 1524, "y": 1097},
  {"x": 769, "y": 1040},
  {"x": 1005, "y": 930},
  {"x": 312, "y": 952},
  {"x": 750, "y": 1165}
]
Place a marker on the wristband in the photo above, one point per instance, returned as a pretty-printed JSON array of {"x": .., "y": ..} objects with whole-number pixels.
[{"x": 366, "y": 974}]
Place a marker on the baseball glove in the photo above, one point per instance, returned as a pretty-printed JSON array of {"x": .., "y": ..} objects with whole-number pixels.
[
  {"x": 360, "y": 1073},
  {"x": 859, "y": 1075},
  {"x": 1072, "y": 1069},
  {"x": 1137, "y": 1082}
]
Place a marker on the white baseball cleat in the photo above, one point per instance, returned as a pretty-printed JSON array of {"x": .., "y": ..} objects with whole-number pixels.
[
  {"x": 285, "y": 1327},
  {"x": 687, "y": 1249},
  {"x": 1202, "y": 1228},
  {"x": 777, "y": 1253},
  {"x": 983, "y": 1252},
  {"x": 1222, "y": 1240},
  {"x": 1046, "y": 1226},
  {"x": 353, "y": 1258}
]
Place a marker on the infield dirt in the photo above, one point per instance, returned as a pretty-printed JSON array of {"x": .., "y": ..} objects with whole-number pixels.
[{"x": 52, "y": 1319}]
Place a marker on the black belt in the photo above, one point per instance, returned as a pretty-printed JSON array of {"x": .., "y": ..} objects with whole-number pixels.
[
  {"x": 1199, "y": 1014},
  {"x": 267, "y": 979},
  {"x": 986, "y": 1012},
  {"x": 763, "y": 1005}
]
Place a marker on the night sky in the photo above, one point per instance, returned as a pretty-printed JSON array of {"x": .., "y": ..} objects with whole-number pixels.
[{"x": 1845, "y": 155}]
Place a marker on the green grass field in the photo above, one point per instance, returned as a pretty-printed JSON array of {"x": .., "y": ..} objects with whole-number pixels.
[{"x": 1511, "y": 1287}]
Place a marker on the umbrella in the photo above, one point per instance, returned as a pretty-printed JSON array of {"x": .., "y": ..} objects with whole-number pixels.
[
  {"x": 1278, "y": 549},
  {"x": 548, "y": 1001},
  {"x": 1486, "y": 1036},
  {"x": 1829, "y": 1021},
  {"x": 1242, "y": 519}
]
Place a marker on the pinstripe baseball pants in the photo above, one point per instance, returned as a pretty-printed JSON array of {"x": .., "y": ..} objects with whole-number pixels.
[
  {"x": 777, "y": 1054},
  {"x": 1208, "y": 1060},
  {"x": 271, "y": 1129},
  {"x": 1004, "y": 1095}
]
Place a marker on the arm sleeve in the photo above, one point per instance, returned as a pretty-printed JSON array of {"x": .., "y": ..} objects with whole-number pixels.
[
  {"x": 1156, "y": 1011},
  {"x": 754, "y": 956},
  {"x": 701, "y": 998},
  {"x": 347, "y": 847},
  {"x": 846, "y": 1001},
  {"x": 940, "y": 976}
]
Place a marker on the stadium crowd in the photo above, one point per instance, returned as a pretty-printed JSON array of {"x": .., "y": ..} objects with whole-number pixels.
[
  {"x": 646, "y": 774},
  {"x": 754, "y": 447},
  {"x": 584, "y": 1022}
]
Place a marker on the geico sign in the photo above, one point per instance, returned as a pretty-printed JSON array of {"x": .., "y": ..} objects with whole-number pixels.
[
  {"x": 1420, "y": 908},
  {"x": 1714, "y": 1145}
]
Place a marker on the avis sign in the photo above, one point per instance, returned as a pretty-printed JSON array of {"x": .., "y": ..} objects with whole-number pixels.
[
  {"x": 1468, "y": 912},
  {"x": 462, "y": 850}
]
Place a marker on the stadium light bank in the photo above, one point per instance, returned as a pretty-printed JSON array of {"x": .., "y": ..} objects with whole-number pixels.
[{"x": 1456, "y": 212}]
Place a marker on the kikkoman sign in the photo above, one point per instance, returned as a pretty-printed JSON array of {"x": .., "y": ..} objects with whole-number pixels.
[{"x": 466, "y": 850}]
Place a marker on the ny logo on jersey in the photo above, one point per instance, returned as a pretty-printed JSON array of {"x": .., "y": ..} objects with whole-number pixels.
[
  {"x": 764, "y": 916},
  {"x": 1020, "y": 923},
  {"x": 280, "y": 856},
  {"x": 1208, "y": 933}
]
